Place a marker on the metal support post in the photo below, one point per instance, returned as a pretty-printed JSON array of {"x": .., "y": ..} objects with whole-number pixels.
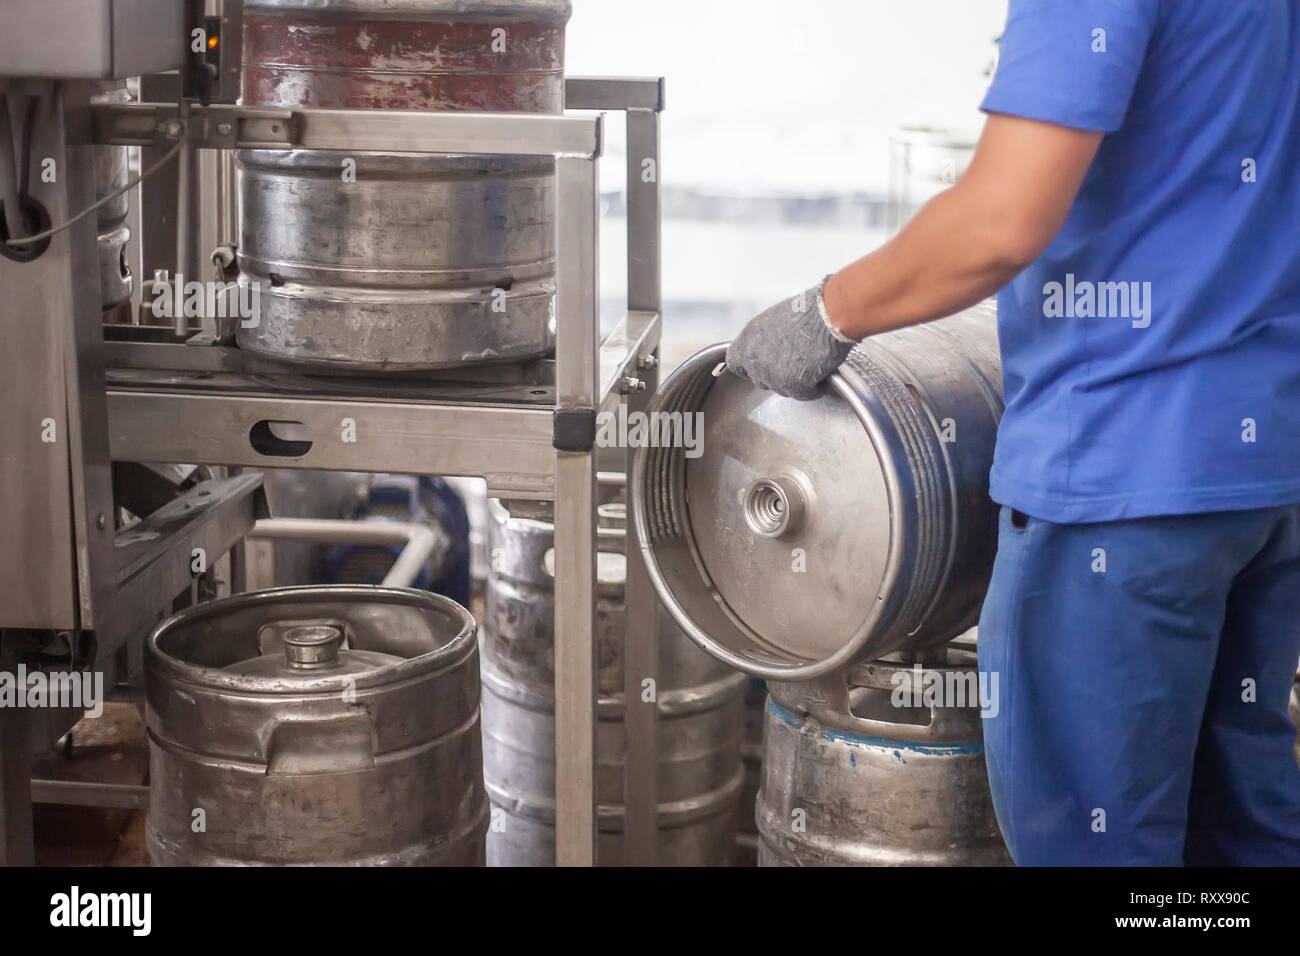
[
  {"x": 578, "y": 327},
  {"x": 641, "y": 637},
  {"x": 523, "y": 444}
]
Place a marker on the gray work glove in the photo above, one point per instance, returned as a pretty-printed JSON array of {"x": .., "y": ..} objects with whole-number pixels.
[{"x": 791, "y": 348}]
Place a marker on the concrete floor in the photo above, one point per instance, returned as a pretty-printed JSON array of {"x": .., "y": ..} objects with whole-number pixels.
[{"x": 111, "y": 749}]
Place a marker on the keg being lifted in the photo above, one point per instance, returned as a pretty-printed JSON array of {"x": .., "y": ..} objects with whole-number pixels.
[
  {"x": 808, "y": 535},
  {"x": 316, "y": 725},
  {"x": 401, "y": 261}
]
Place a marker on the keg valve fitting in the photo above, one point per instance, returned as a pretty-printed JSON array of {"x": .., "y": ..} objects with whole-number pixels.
[
  {"x": 312, "y": 645},
  {"x": 775, "y": 507}
]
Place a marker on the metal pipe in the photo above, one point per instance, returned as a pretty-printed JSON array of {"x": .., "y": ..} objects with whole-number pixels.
[
  {"x": 346, "y": 130},
  {"x": 184, "y": 218},
  {"x": 227, "y": 200},
  {"x": 91, "y": 793},
  {"x": 641, "y": 645},
  {"x": 419, "y": 541},
  {"x": 9, "y": 174}
]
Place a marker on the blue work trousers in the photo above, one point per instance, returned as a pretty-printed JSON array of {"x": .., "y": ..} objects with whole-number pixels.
[{"x": 1143, "y": 673}]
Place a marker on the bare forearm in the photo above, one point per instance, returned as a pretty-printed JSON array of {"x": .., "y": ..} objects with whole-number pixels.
[
  {"x": 971, "y": 240},
  {"x": 949, "y": 257},
  {"x": 963, "y": 246}
]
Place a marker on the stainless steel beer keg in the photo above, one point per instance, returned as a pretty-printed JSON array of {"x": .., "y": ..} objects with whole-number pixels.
[
  {"x": 382, "y": 261},
  {"x": 879, "y": 766},
  {"x": 316, "y": 725},
  {"x": 799, "y": 537},
  {"x": 699, "y": 701}
]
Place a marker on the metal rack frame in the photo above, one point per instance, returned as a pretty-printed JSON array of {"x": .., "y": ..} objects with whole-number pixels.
[{"x": 530, "y": 439}]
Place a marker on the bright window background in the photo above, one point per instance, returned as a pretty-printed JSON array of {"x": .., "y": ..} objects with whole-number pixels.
[{"x": 776, "y": 140}]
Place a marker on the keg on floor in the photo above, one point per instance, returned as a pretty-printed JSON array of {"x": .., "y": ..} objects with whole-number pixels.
[
  {"x": 875, "y": 767},
  {"x": 383, "y": 261},
  {"x": 316, "y": 725},
  {"x": 699, "y": 701},
  {"x": 751, "y": 758},
  {"x": 792, "y": 539},
  {"x": 112, "y": 172}
]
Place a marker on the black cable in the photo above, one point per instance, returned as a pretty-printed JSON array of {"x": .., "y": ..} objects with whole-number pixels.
[
  {"x": 47, "y": 233},
  {"x": 33, "y": 216},
  {"x": 24, "y": 176}
]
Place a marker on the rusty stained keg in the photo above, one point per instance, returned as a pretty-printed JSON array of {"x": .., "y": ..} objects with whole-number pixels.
[
  {"x": 699, "y": 702},
  {"x": 316, "y": 725},
  {"x": 805, "y": 536},
  {"x": 850, "y": 778},
  {"x": 112, "y": 172},
  {"x": 422, "y": 262}
]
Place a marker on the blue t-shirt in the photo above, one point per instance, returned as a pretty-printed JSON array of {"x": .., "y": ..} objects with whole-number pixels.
[{"x": 1151, "y": 356}]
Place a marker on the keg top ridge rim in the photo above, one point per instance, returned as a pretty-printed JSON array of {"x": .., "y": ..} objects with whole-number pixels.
[
  {"x": 455, "y": 646},
  {"x": 650, "y": 473}
]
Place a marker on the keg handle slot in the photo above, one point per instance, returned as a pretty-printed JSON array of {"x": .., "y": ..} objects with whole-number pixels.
[
  {"x": 932, "y": 693},
  {"x": 280, "y": 439},
  {"x": 877, "y": 709},
  {"x": 327, "y": 745}
]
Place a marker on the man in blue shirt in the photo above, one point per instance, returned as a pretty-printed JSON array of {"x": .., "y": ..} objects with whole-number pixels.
[{"x": 1135, "y": 196}]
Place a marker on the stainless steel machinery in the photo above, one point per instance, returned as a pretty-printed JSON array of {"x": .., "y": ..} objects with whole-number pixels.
[{"x": 101, "y": 549}]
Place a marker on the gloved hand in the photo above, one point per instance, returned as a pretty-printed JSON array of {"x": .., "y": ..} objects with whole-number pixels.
[{"x": 791, "y": 348}]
